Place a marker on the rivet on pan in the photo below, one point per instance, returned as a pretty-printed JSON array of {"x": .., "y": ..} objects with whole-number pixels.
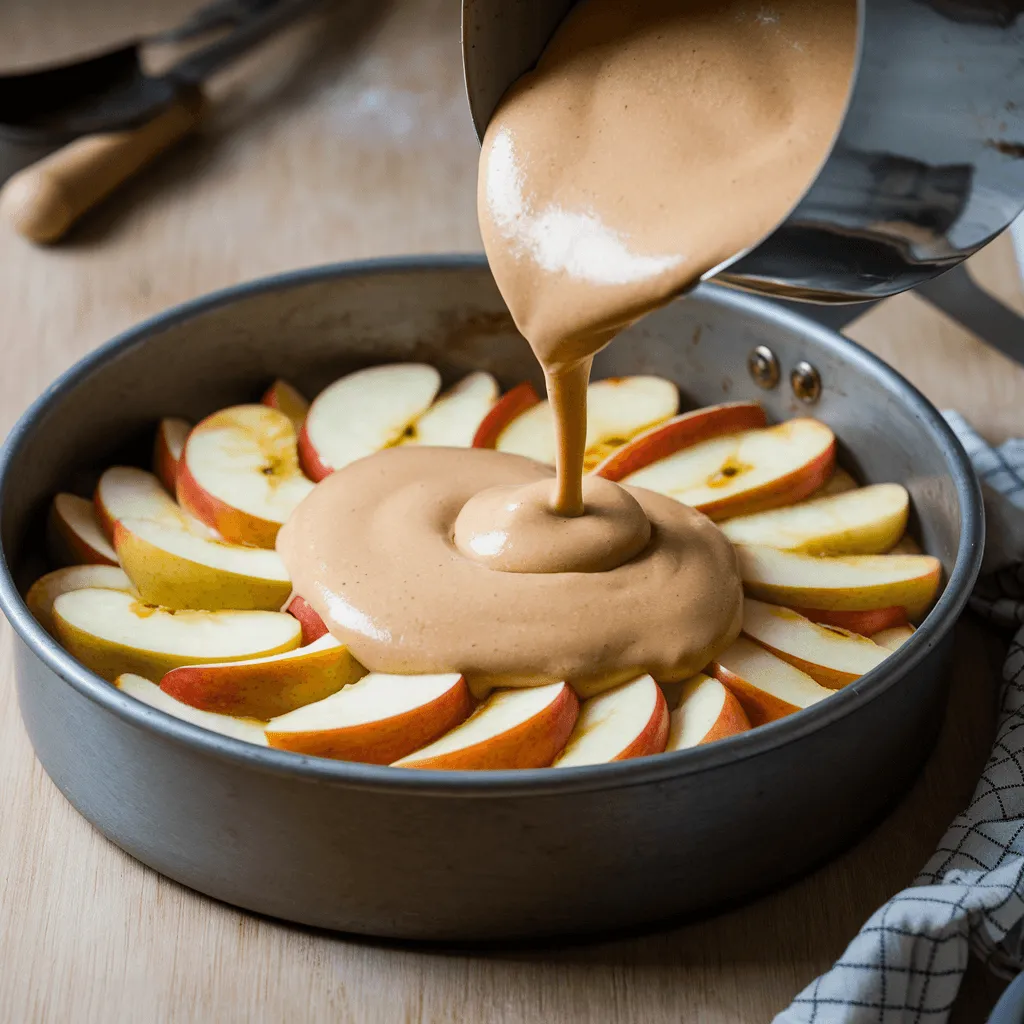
[
  {"x": 806, "y": 382},
  {"x": 763, "y": 367}
]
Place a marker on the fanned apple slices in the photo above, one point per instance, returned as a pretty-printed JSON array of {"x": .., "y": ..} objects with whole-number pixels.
[
  {"x": 617, "y": 409},
  {"x": 170, "y": 576},
  {"x": 240, "y": 473}
]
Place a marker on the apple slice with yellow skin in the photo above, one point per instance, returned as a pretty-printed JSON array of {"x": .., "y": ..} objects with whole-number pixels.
[
  {"x": 112, "y": 633},
  {"x": 313, "y": 627},
  {"x": 618, "y": 409},
  {"x": 285, "y": 398},
  {"x": 850, "y": 583},
  {"x": 907, "y": 546},
  {"x": 171, "y": 435},
  {"x": 509, "y": 407},
  {"x": 679, "y": 433},
  {"x": 74, "y": 535},
  {"x": 377, "y": 720},
  {"x": 268, "y": 686},
  {"x": 455, "y": 418},
  {"x": 707, "y": 712},
  {"x": 240, "y": 473},
  {"x": 48, "y": 588},
  {"x": 865, "y": 521},
  {"x": 838, "y": 483},
  {"x": 511, "y": 729},
  {"x": 893, "y": 639},
  {"x": 767, "y": 687},
  {"x": 177, "y": 569},
  {"x": 125, "y": 492},
  {"x": 751, "y": 471},
  {"x": 830, "y": 656},
  {"x": 248, "y": 729},
  {"x": 364, "y": 412},
  {"x": 629, "y": 721},
  {"x": 865, "y": 623}
]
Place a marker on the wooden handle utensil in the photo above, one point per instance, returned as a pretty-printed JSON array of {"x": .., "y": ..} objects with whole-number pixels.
[{"x": 43, "y": 201}]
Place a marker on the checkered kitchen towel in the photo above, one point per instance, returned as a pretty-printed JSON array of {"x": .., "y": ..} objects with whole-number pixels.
[{"x": 905, "y": 965}]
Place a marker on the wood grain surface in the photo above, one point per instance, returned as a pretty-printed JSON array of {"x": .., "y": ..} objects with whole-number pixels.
[{"x": 350, "y": 138}]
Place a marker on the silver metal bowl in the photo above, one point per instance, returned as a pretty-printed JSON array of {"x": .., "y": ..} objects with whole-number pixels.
[{"x": 463, "y": 855}]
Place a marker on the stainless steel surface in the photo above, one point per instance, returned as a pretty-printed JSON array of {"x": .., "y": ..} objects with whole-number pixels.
[
  {"x": 805, "y": 382},
  {"x": 763, "y": 367},
  {"x": 928, "y": 165},
  {"x": 473, "y": 855}
]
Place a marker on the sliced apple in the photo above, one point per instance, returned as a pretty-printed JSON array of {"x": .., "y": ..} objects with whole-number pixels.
[
  {"x": 177, "y": 569},
  {"x": 454, "y": 419},
  {"x": 377, "y": 720},
  {"x": 707, "y": 712},
  {"x": 511, "y": 729},
  {"x": 767, "y": 687},
  {"x": 747, "y": 472},
  {"x": 364, "y": 412},
  {"x": 313, "y": 627},
  {"x": 907, "y": 546},
  {"x": 74, "y": 535},
  {"x": 618, "y": 409},
  {"x": 48, "y": 588},
  {"x": 865, "y": 521},
  {"x": 893, "y": 639},
  {"x": 830, "y": 656},
  {"x": 171, "y": 435},
  {"x": 865, "y": 623},
  {"x": 248, "y": 729},
  {"x": 510, "y": 406},
  {"x": 838, "y": 483},
  {"x": 678, "y": 433},
  {"x": 851, "y": 583},
  {"x": 240, "y": 473},
  {"x": 629, "y": 721},
  {"x": 285, "y": 398},
  {"x": 113, "y": 633},
  {"x": 265, "y": 687},
  {"x": 124, "y": 492}
]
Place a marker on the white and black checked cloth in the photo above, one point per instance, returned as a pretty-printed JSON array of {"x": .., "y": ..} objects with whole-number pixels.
[{"x": 906, "y": 963}]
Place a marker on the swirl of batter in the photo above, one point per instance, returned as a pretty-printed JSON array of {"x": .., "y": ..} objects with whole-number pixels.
[{"x": 376, "y": 549}]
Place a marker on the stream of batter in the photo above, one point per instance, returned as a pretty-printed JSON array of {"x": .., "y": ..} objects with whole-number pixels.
[{"x": 655, "y": 140}]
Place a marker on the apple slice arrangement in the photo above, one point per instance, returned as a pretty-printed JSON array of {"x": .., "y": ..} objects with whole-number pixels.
[{"x": 171, "y": 588}]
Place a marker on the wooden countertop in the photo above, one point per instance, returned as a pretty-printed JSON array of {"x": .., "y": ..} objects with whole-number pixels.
[{"x": 350, "y": 138}]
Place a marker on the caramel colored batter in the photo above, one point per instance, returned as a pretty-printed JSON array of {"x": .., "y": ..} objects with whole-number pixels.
[{"x": 655, "y": 140}]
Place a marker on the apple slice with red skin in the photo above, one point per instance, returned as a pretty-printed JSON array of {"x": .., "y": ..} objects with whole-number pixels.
[
  {"x": 285, "y": 398},
  {"x": 74, "y": 535},
  {"x": 377, "y": 720},
  {"x": 266, "y": 687},
  {"x": 454, "y": 419},
  {"x": 678, "y": 433},
  {"x": 629, "y": 721},
  {"x": 893, "y": 639},
  {"x": 854, "y": 583},
  {"x": 112, "y": 632},
  {"x": 313, "y": 627},
  {"x": 707, "y": 711},
  {"x": 48, "y": 588},
  {"x": 363, "y": 413},
  {"x": 746, "y": 472},
  {"x": 618, "y": 408},
  {"x": 248, "y": 729},
  {"x": 830, "y": 656},
  {"x": 171, "y": 435},
  {"x": 865, "y": 623},
  {"x": 511, "y": 729},
  {"x": 240, "y": 473},
  {"x": 767, "y": 687},
  {"x": 510, "y": 406}
]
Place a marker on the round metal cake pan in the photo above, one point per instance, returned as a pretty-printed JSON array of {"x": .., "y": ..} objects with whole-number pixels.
[{"x": 462, "y": 855}]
